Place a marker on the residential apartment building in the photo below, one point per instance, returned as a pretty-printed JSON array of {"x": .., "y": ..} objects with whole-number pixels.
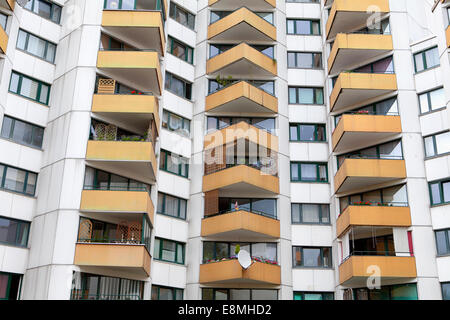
[{"x": 144, "y": 143}]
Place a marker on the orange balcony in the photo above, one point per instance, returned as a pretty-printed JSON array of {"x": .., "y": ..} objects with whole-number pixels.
[
  {"x": 145, "y": 29},
  {"x": 3, "y": 40},
  {"x": 230, "y": 272},
  {"x": 241, "y": 97},
  {"x": 447, "y": 34},
  {"x": 351, "y": 49},
  {"x": 357, "y": 269},
  {"x": 7, "y": 4},
  {"x": 355, "y": 174},
  {"x": 120, "y": 257},
  {"x": 242, "y": 61},
  {"x": 348, "y": 15},
  {"x": 240, "y": 225},
  {"x": 355, "y": 131},
  {"x": 386, "y": 216},
  {"x": 242, "y": 25},
  {"x": 353, "y": 88}
]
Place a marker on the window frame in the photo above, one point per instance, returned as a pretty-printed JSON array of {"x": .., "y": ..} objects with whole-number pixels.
[
  {"x": 183, "y": 121},
  {"x": 169, "y": 77},
  {"x": 189, "y": 51},
  {"x": 179, "y": 206},
  {"x": 435, "y": 149},
  {"x": 303, "y": 293},
  {"x": 424, "y": 60},
  {"x": 25, "y": 181},
  {"x": 174, "y": 292},
  {"x": 297, "y": 96},
  {"x": 321, "y": 214},
  {"x": 38, "y": 91},
  {"x": 166, "y": 155},
  {"x": 441, "y": 192},
  {"x": 18, "y": 227},
  {"x": 428, "y": 93},
  {"x": 173, "y": 13},
  {"x": 96, "y": 185},
  {"x": 11, "y": 132},
  {"x": 52, "y": 5},
  {"x": 318, "y": 164},
  {"x": 302, "y": 257},
  {"x": 316, "y": 127},
  {"x": 305, "y": 52},
  {"x": 447, "y": 242},
  {"x": 229, "y": 243},
  {"x": 311, "y": 21},
  {"x": 47, "y": 43},
  {"x": 183, "y": 246}
]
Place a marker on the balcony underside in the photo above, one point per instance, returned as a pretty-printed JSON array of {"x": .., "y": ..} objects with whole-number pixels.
[
  {"x": 7, "y": 4},
  {"x": 254, "y": 5}
]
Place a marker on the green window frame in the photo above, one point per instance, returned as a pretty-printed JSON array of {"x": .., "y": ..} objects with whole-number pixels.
[
  {"x": 27, "y": 189},
  {"x": 316, "y": 136},
  {"x": 42, "y": 89},
  {"x": 314, "y": 27},
  {"x": 161, "y": 208},
  {"x": 174, "y": 83},
  {"x": 445, "y": 286},
  {"x": 36, "y": 137},
  {"x": 188, "y": 51},
  {"x": 387, "y": 292},
  {"x": 318, "y": 173},
  {"x": 55, "y": 10},
  {"x": 13, "y": 286},
  {"x": 179, "y": 250},
  {"x": 177, "y": 294},
  {"x": 183, "y": 165},
  {"x": 184, "y": 123},
  {"x": 294, "y": 95},
  {"x": 176, "y": 12},
  {"x": 442, "y": 242},
  {"x": 323, "y": 264},
  {"x": 438, "y": 190},
  {"x": 426, "y": 102},
  {"x": 422, "y": 58},
  {"x": 21, "y": 229},
  {"x": 323, "y": 213},
  {"x": 119, "y": 5},
  {"x": 132, "y": 185},
  {"x": 49, "y": 47},
  {"x": 212, "y": 293},
  {"x": 311, "y": 295},
  {"x": 294, "y": 60},
  {"x": 433, "y": 148},
  {"x": 230, "y": 252}
]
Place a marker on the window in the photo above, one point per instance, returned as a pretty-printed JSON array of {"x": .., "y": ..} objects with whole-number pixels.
[
  {"x": 313, "y": 257},
  {"x": 265, "y": 207},
  {"x": 313, "y": 296},
  {"x": 310, "y": 213},
  {"x": 120, "y": 4},
  {"x": 14, "y": 232},
  {"x": 95, "y": 179},
  {"x": 239, "y": 294},
  {"x": 390, "y": 150},
  {"x": 173, "y": 163},
  {"x": 437, "y": 144},
  {"x": 440, "y": 192},
  {"x": 303, "y": 27},
  {"x": 305, "y": 60},
  {"x": 182, "y": 16},
  {"x": 173, "y": 122},
  {"x": 445, "y": 285},
  {"x": 36, "y": 46},
  {"x": 9, "y": 286},
  {"x": 307, "y": 132},
  {"x": 382, "y": 27},
  {"x": 171, "y": 206},
  {"x": 177, "y": 86},
  {"x": 29, "y": 88},
  {"x": 309, "y": 172},
  {"x": 266, "y": 86},
  {"x": 299, "y": 95},
  {"x": 432, "y": 100},
  {"x": 180, "y": 50},
  {"x": 443, "y": 242},
  {"x": 3, "y": 20},
  {"x": 17, "y": 180},
  {"x": 45, "y": 9},
  {"x": 386, "y": 107},
  {"x": 216, "y": 251},
  {"x": 166, "y": 293},
  {"x": 397, "y": 292},
  {"x": 22, "y": 132},
  {"x": 216, "y": 49},
  {"x": 426, "y": 59},
  {"x": 384, "y": 66},
  {"x": 218, "y": 123},
  {"x": 169, "y": 251}
]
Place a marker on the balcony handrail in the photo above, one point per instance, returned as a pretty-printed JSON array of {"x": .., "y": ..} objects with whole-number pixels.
[
  {"x": 127, "y": 49},
  {"x": 366, "y": 32},
  {"x": 257, "y": 212},
  {"x": 137, "y": 93},
  {"x": 126, "y": 138},
  {"x": 115, "y": 188},
  {"x": 239, "y": 81},
  {"x": 251, "y": 165},
  {"x": 378, "y": 254},
  {"x": 233, "y": 11},
  {"x": 234, "y": 257},
  {"x": 363, "y": 72},
  {"x": 127, "y": 242},
  {"x": 380, "y": 203},
  {"x": 364, "y": 113},
  {"x": 384, "y": 157},
  {"x": 77, "y": 294}
]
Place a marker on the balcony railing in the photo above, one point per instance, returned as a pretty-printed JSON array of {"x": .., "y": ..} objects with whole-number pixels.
[
  {"x": 79, "y": 295},
  {"x": 365, "y": 113},
  {"x": 269, "y": 168},
  {"x": 116, "y": 188},
  {"x": 376, "y": 204},
  {"x": 260, "y": 213},
  {"x": 254, "y": 259},
  {"x": 378, "y": 254}
]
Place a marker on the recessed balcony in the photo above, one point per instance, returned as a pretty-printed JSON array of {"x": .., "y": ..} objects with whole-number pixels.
[
  {"x": 351, "y": 49},
  {"x": 115, "y": 202},
  {"x": 133, "y": 159},
  {"x": 242, "y": 25},
  {"x": 7, "y": 4},
  {"x": 3, "y": 41},
  {"x": 347, "y": 15},
  {"x": 356, "y": 270},
  {"x": 231, "y": 272},
  {"x": 145, "y": 29},
  {"x": 241, "y": 97},
  {"x": 353, "y": 88},
  {"x": 241, "y": 130},
  {"x": 378, "y": 214},
  {"x": 355, "y": 131},
  {"x": 254, "y": 5},
  {"x": 139, "y": 69},
  {"x": 240, "y": 224},
  {"x": 242, "y": 61},
  {"x": 355, "y": 174}
]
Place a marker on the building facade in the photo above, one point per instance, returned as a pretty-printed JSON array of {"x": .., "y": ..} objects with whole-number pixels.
[{"x": 144, "y": 143}]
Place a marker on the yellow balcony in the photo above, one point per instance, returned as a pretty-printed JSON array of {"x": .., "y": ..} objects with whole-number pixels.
[
  {"x": 348, "y": 15},
  {"x": 135, "y": 109},
  {"x": 119, "y": 257},
  {"x": 242, "y": 61},
  {"x": 145, "y": 29},
  {"x": 241, "y": 178},
  {"x": 254, "y": 5},
  {"x": 353, "y": 88},
  {"x": 385, "y": 216},
  {"x": 240, "y": 225},
  {"x": 3, "y": 40},
  {"x": 241, "y": 130},
  {"x": 112, "y": 201},
  {"x": 242, "y": 25},
  {"x": 447, "y": 34},
  {"x": 357, "y": 269},
  {"x": 355, "y": 174},
  {"x": 241, "y": 97},
  {"x": 356, "y": 131},
  {"x": 132, "y": 159},
  {"x": 7, "y": 4},
  {"x": 231, "y": 272},
  {"x": 351, "y": 49},
  {"x": 139, "y": 69}
]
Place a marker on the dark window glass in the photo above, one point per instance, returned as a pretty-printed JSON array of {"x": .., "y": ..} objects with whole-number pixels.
[
  {"x": 14, "y": 232},
  {"x": 22, "y": 132}
]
